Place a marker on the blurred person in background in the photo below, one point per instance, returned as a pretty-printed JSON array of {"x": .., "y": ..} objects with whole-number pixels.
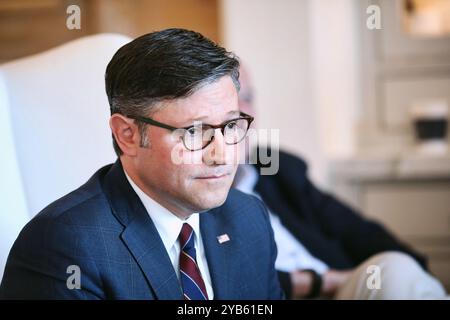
[{"x": 325, "y": 249}]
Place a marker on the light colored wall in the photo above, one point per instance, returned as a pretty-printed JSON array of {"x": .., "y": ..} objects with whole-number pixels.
[
  {"x": 335, "y": 63},
  {"x": 302, "y": 59}
]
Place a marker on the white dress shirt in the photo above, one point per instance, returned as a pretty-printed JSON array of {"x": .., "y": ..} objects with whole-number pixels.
[
  {"x": 292, "y": 255},
  {"x": 169, "y": 228}
]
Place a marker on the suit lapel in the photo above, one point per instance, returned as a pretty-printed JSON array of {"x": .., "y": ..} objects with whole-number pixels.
[
  {"x": 141, "y": 236},
  {"x": 219, "y": 255},
  {"x": 143, "y": 240}
]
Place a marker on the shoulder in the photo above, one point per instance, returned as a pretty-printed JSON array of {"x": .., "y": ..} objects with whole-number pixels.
[
  {"x": 68, "y": 232},
  {"x": 245, "y": 212},
  {"x": 287, "y": 162},
  {"x": 293, "y": 160},
  {"x": 65, "y": 220},
  {"x": 88, "y": 197},
  {"x": 240, "y": 202}
]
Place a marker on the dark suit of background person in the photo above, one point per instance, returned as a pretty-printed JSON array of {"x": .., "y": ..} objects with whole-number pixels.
[
  {"x": 330, "y": 230},
  {"x": 150, "y": 227}
]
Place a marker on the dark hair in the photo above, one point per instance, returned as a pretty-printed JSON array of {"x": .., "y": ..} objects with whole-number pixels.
[{"x": 167, "y": 64}]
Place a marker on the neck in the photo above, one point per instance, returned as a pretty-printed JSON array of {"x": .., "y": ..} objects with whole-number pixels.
[{"x": 173, "y": 207}]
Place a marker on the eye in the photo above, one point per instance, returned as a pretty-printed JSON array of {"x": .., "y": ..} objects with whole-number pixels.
[
  {"x": 194, "y": 131},
  {"x": 231, "y": 124}
]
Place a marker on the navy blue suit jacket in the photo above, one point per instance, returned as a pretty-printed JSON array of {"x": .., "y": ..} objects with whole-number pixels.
[
  {"x": 103, "y": 228},
  {"x": 329, "y": 229}
]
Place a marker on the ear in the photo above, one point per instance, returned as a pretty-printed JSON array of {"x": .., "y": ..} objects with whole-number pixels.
[{"x": 126, "y": 133}]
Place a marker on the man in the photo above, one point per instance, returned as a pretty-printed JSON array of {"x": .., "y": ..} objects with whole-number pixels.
[
  {"x": 325, "y": 249},
  {"x": 160, "y": 223}
]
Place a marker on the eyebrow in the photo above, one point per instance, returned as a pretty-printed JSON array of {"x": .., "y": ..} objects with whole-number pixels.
[{"x": 232, "y": 112}]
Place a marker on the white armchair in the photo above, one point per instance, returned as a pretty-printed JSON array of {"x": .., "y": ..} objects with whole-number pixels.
[{"x": 54, "y": 129}]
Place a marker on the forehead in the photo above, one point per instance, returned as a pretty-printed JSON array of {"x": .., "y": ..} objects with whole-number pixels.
[{"x": 211, "y": 102}]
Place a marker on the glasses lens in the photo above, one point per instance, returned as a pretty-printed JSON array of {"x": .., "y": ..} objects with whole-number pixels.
[
  {"x": 235, "y": 131},
  {"x": 197, "y": 137}
]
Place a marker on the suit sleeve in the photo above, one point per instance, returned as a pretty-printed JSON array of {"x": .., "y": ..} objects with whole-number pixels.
[
  {"x": 286, "y": 283},
  {"x": 44, "y": 264},
  {"x": 360, "y": 237}
]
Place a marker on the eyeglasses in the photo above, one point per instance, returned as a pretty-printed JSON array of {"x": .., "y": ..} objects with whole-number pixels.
[{"x": 199, "y": 135}]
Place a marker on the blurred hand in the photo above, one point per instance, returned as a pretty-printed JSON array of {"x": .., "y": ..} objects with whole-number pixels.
[
  {"x": 301, "y": 284},
  {"x": 332, "y": 280}
]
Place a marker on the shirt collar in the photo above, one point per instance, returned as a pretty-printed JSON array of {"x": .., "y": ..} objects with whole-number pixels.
[{"x": 168, "y": 224}]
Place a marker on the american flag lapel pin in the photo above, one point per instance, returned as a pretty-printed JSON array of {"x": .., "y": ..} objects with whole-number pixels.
[{"x": 223, "y": 238}]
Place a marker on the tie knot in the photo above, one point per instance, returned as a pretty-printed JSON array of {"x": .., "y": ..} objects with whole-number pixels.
[{"x": 186, "y": 236}]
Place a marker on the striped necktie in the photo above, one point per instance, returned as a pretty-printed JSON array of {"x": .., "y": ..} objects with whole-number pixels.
[{"x": 191, "y": 279}]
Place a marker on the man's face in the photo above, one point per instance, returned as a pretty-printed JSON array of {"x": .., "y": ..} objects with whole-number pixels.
[{"x": 202, "y": 185}]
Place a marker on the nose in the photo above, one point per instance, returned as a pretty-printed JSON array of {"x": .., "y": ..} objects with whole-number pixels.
[{"x": 215, "y": 153}]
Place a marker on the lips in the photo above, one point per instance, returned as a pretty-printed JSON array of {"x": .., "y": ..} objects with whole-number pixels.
[{"x": 219, "y": 176}]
